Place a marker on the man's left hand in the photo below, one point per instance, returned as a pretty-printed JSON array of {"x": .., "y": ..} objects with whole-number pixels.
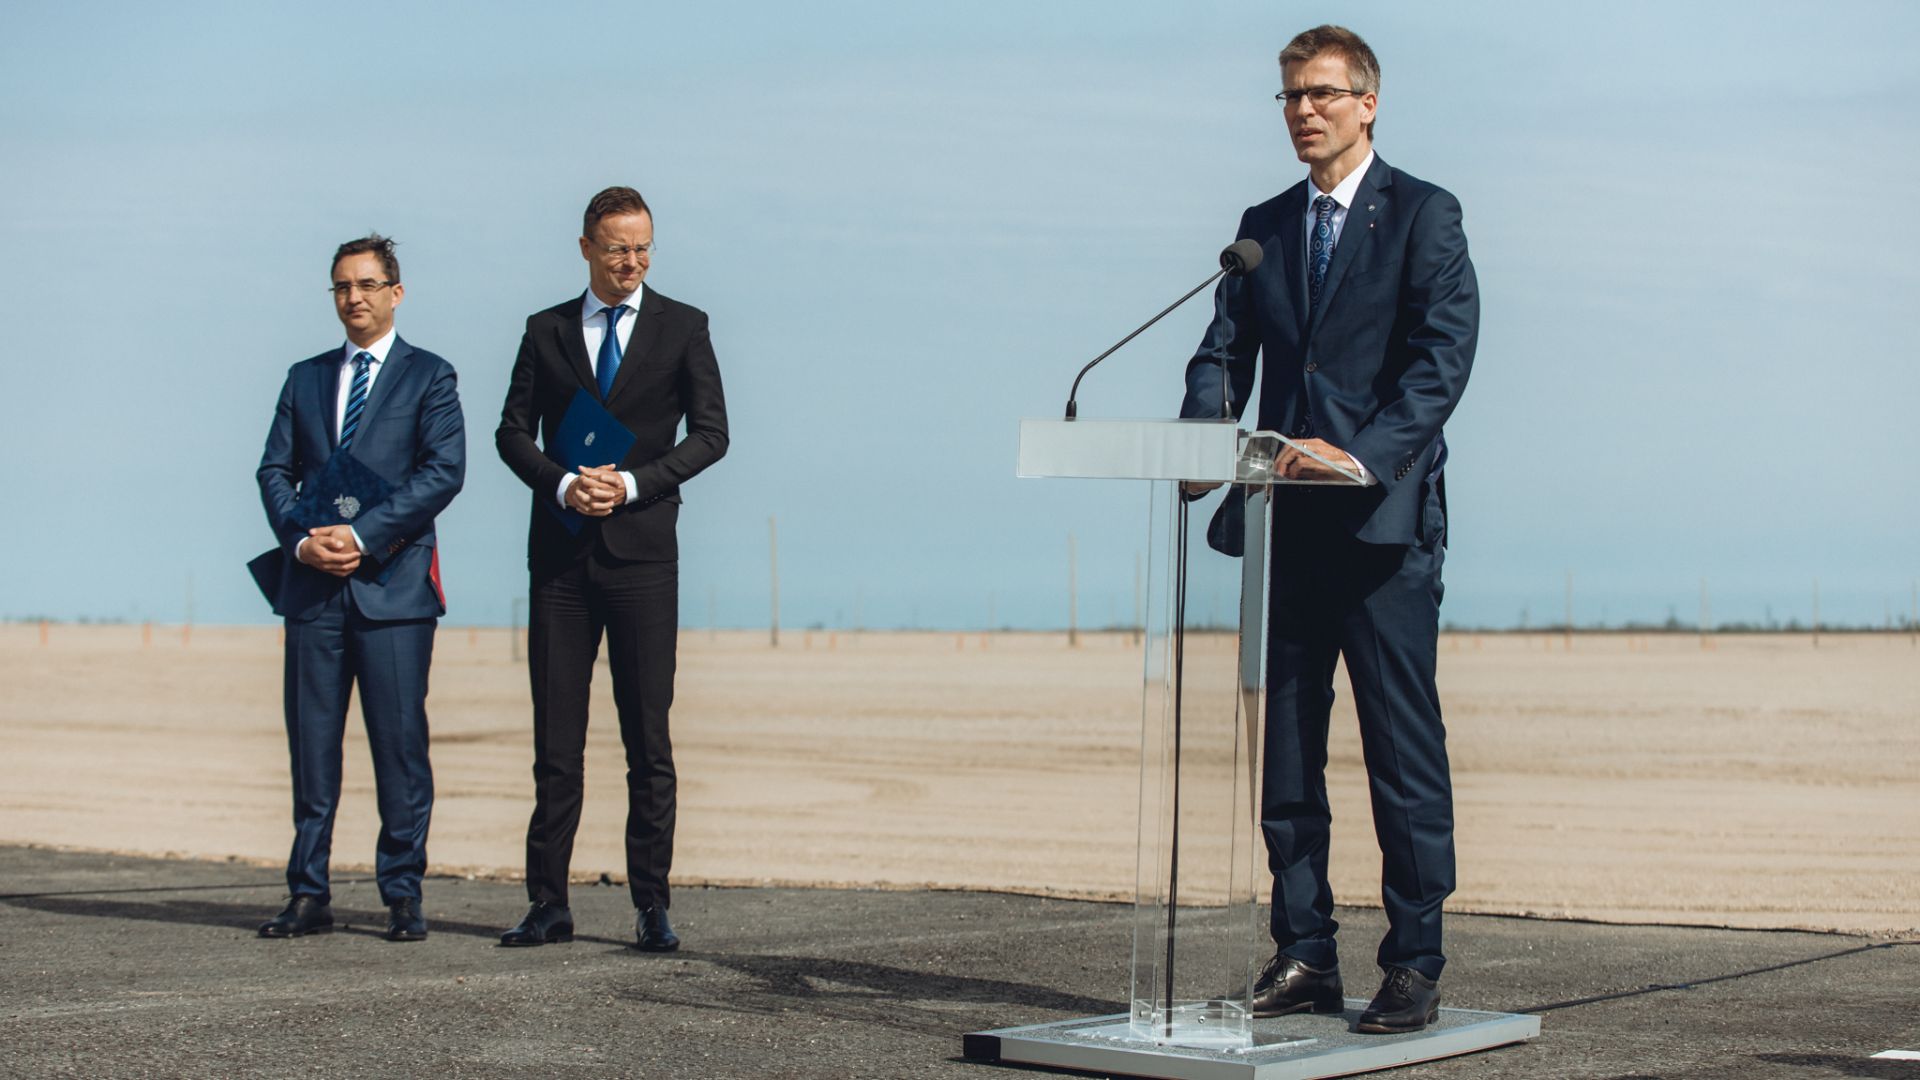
[
  {"x": 612, "y": 489},
  {"x": 331, "y": 549},
  {"x": 1295, "y": 465}
]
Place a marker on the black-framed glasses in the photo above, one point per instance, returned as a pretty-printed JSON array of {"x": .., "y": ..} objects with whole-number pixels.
[
  {"x": 621, "y": 251},
  {"x": 1321, "y": 96},
  {"x": 365, "y": 285}
]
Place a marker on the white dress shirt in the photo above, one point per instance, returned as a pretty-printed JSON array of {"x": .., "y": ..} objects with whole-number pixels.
[
  {"x": 593, "y": 326},
  {"x": 1343, "y": 193},
  {"x": 378, "y": 350}
]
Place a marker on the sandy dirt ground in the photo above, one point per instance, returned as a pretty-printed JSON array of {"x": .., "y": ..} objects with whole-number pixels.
[{"x": 1762, "y": 782}]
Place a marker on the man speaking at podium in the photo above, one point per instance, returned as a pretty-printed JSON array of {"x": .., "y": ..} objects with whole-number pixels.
[
  {"x": 643, "y": 364},
  {"x": 1364, "y": 310}
]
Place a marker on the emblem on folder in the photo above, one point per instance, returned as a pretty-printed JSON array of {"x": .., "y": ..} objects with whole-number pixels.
[
  {"x": 348, "y": 506},
  {"x": 590, "y": 436}
]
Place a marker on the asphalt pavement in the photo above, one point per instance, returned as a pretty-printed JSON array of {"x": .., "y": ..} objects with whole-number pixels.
[{"x": 113, "y": 966}]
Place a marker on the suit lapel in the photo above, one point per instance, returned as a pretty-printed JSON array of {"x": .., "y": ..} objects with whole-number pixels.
[
  {"x": 1356, "y": 234},
  {"x": 646, "y": 331},
  {"x": 330, "y": 397},
  {"x": 573, "y": 346},
  {"x": 1292, "y": 241},
  {"x": 392, "y": 370}
]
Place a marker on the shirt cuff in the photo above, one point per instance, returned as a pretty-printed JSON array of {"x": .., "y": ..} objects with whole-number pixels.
[
  {"x": 1366, "y": 477},
  {"x": 565, "y": 483},
  {"x": 633, "y": 487}
]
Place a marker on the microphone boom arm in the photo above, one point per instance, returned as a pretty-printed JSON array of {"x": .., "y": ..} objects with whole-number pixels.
[{"x": 1072, "y": 408}]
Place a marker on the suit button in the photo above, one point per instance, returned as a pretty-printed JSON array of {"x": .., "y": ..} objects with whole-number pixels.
[{"x": 1313, "y": 365}]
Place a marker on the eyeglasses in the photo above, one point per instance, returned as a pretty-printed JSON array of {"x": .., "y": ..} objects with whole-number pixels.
[
  {"x": 367, "y": 285},
  {"x": 621, "y": 251},
  {"x": 1321, "y": 96}
]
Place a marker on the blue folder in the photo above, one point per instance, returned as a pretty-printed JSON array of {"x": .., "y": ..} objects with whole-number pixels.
[
  {"x": 588, "y": 435},
  {"x": 343, "y": 490},
  {"x": 268, "y": 568}
]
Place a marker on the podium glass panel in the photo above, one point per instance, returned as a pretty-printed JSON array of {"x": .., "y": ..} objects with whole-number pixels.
[
  {"x": 1197, "y": 940},
  {"x": 1195, "y": 930}
]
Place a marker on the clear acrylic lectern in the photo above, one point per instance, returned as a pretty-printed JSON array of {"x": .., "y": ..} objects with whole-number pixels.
[
  {"x": 1197, "y": 944},
  {"x": 1194, "y": 955}
]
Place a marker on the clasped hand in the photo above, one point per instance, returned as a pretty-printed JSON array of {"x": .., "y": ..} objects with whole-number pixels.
[
  {"x": 331, "y": 549},
  {"x": 599, "y": 489}
]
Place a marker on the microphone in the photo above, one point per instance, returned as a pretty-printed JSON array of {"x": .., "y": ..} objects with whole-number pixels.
[
  {"x": 1241, "y": 257},
  {"x": 1238, "y": 258}
]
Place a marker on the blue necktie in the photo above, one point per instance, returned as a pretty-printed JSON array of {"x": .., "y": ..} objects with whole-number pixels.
[
  {"x": 356, "y": 397},
  {"x": 609, "y": 363},
  {"x": 1320, "y": 248}
]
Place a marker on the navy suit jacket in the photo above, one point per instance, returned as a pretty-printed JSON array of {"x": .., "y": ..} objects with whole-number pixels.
[
  {"x": 1376, "y": 369},
  {"x": 667, "y": 375},
  {"x": 413, "y": 435}
]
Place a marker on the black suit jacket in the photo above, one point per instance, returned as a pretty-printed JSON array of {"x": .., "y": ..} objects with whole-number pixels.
[
  {"x": 1376, "y": 369},
  {"x": 667, "y": 373}
]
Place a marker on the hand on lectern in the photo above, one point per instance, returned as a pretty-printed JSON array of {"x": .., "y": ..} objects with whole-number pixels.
[{"x": 1295, "y": 465}]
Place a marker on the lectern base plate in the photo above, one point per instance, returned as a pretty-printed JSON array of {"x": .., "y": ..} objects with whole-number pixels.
[{"x": 1297, "y": 1047}]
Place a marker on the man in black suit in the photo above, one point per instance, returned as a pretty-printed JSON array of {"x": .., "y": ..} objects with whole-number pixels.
[
  {"x": 650, "y": 362},
  {"x": 361, "y": 599},
  {"x": 1364, "y": 311}
]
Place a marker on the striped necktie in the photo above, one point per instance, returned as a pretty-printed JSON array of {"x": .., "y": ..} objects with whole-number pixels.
[{"x": 356, "y": 397}]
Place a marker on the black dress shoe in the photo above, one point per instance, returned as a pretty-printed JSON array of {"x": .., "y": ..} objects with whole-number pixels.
[
  {"x": 545, "y": 924},
  {"x": 1287, "y": 985},
  {"x": 1407, "y": 1001},
  {"x": 404, "y": 921},
  {"x": 304, "y": 915},
  {"x": 655, "y": 932}
]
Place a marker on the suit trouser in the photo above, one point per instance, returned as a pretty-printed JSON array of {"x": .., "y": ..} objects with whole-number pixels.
[
  {"x": 1378, "y": 606},
  {"x": 390, "y": 660},
  {"x": 637, "y": 605}
]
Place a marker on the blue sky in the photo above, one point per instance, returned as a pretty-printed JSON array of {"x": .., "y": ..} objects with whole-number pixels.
[{"x": 1693, "y": 224}]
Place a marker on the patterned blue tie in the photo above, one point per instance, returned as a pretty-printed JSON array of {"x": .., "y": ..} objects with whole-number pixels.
[
  {"x": 609, "y": 363},
  {"x": 356, "y": 397},
  {"x": 1320, "y": 248}
]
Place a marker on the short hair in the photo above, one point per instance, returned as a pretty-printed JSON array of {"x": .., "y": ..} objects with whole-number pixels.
[
  {"x": 614, "y": 200},
  {"x": 1363, "y": 70},
  {"x": 370, "y": 244}
]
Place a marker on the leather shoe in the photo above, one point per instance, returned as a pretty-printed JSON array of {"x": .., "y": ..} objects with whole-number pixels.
[
  {"x": 304, "y": 915},
  {"x": 655, "y": 932},
  {"x": 545, "y": 924},
  {"x": 404, "y": 921},
  {"x": 1407, "y": 1001},
  {"x": 1287, "y": 985}
]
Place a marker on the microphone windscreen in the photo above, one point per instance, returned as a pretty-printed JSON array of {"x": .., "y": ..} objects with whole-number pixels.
[{"x": 1241, "y": 256}]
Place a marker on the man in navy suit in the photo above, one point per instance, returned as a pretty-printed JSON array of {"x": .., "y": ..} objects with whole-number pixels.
[
  {"x": 1364, "y": 312},
  {"x": 361, "y": 599}
]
